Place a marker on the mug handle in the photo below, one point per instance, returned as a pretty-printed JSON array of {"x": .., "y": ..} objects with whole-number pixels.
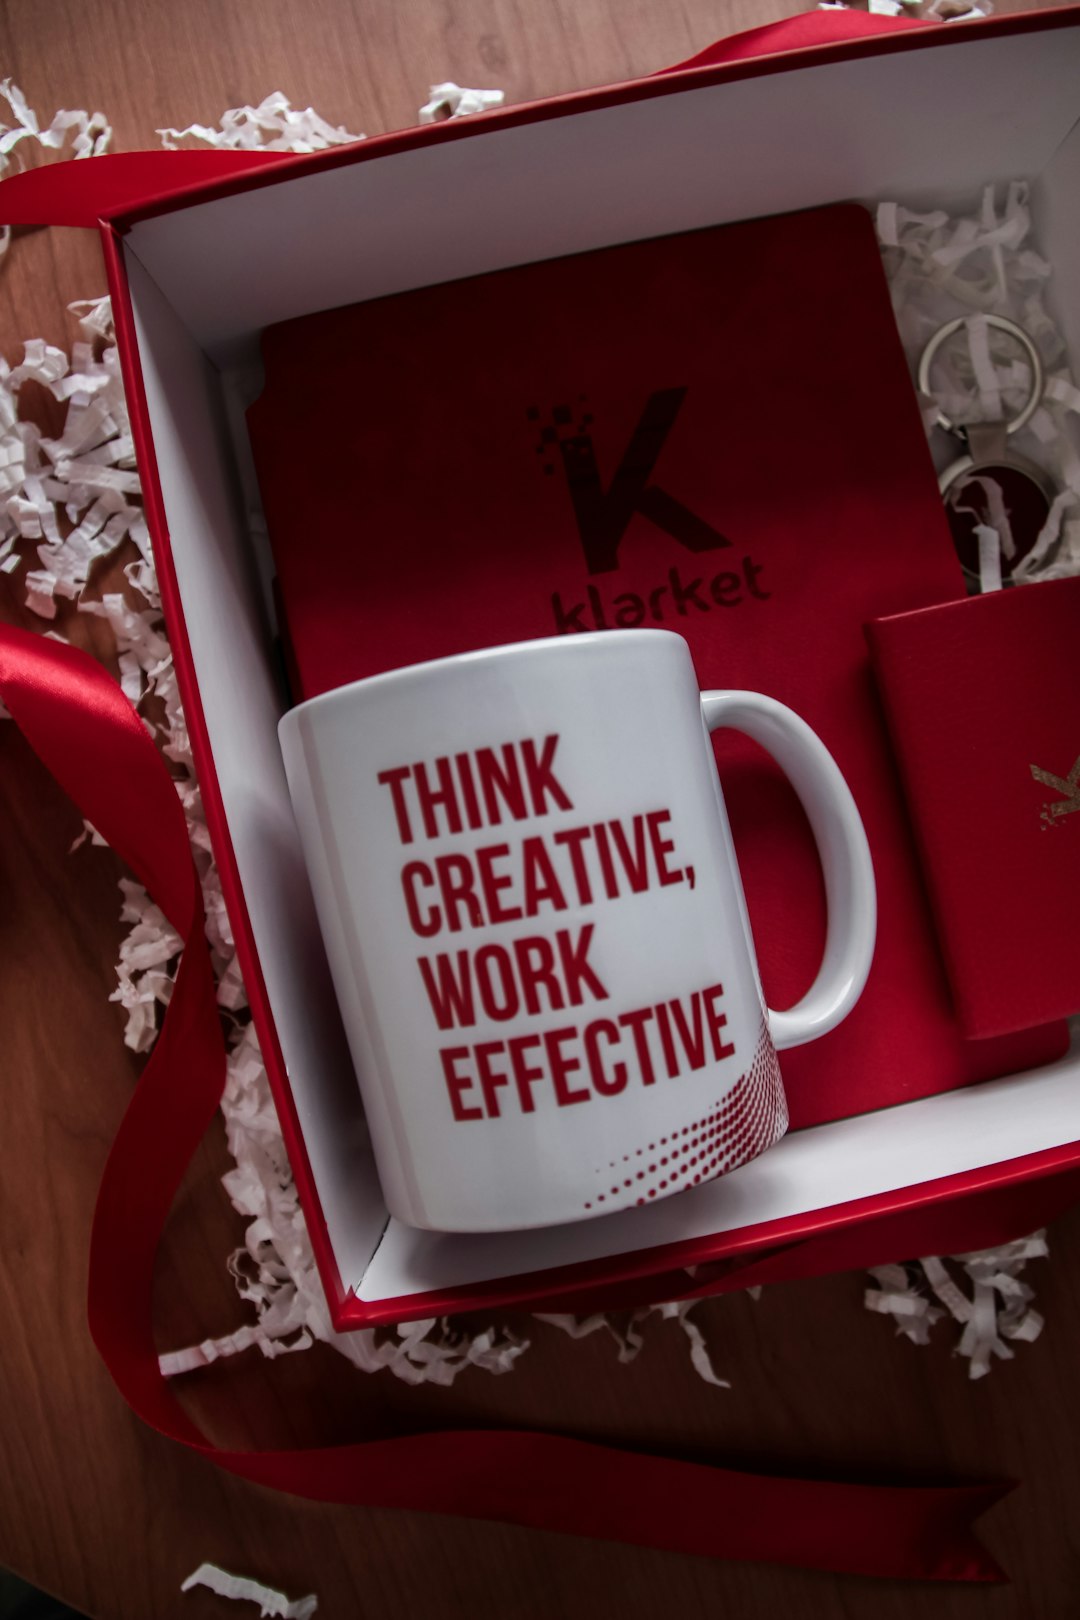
[{"x": 848, "y": 870}]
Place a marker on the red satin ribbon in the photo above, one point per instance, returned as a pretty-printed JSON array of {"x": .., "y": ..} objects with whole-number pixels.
[
  {"x": 75, "y": 193},
  {"x": 87, "y": 733},
  {"x": 807, "y": 31}
]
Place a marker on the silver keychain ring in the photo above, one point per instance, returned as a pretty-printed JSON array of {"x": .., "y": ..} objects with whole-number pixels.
[
  {"x": 967, "y": 464},
  {"x": 965, "y": 467},
  {"x": 1003, "y": 324}
]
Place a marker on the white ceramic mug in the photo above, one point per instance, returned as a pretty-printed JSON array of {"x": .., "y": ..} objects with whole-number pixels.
[{"x": 524, "y": 874}]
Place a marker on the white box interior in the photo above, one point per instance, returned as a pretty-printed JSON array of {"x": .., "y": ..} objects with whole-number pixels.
[{"x": 928, "y": 125}]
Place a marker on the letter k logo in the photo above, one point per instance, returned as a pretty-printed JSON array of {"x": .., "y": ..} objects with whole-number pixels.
[{"x": 603, "y": 515}]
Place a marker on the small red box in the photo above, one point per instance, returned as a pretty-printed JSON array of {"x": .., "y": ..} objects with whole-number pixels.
[{"x": 983, "y": 701}]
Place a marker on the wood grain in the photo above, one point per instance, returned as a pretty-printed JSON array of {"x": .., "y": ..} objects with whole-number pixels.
[{"x": 106, "y": 1514}]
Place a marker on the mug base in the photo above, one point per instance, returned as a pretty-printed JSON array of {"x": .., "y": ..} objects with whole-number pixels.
[{"x": 750, "y": 1119}]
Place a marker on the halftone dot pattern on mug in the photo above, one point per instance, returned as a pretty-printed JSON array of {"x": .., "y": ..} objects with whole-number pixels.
[{"x": 750, "y": 1118}]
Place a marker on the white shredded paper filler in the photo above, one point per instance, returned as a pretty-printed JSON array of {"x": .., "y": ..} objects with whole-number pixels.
[
  {"x": 75, "y": 498},
  {"x": 270, "y": 1601},
  {"x": 451, "y": 101},
  {"x": 272, "y": 126},
  {"x": 90, "y": 134},
  {"x": 629, "y": 1338},
  {"x": 993, "y": 1307},
  {"x": 939, "y": 10}
]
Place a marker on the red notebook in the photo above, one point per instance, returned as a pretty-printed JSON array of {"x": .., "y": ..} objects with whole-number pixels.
[
  {"x": 984, "y": 705},
  {"x": 714, "y": 432}
]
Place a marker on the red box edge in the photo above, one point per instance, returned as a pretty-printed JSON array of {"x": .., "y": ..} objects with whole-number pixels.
[
  {"x": 206, "y": 772},
  {"x": 557, "y": 1287},
  {"x": 662, "y": 82}
]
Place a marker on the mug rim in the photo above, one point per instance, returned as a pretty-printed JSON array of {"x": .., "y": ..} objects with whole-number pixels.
[{"x": 479, "y": 655}]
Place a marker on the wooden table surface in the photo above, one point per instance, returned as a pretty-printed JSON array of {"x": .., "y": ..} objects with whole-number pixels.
[{"x": 102, "y": 1512}]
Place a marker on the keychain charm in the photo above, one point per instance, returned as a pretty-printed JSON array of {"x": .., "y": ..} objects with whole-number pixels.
[{"x": 996, "y": 501}]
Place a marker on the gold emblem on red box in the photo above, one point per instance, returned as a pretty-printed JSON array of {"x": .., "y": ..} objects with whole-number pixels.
[{"x": 1067, "y": 786}]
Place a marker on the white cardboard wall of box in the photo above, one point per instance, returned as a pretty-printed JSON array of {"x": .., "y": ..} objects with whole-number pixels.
[{"x": 926, "y": 124}]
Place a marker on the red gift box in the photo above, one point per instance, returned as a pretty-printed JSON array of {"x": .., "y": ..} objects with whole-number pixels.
[{"x": 200, "y": 269}]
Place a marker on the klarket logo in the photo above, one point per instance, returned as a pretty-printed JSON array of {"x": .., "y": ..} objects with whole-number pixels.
[{"x": 603, "y": 515}]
